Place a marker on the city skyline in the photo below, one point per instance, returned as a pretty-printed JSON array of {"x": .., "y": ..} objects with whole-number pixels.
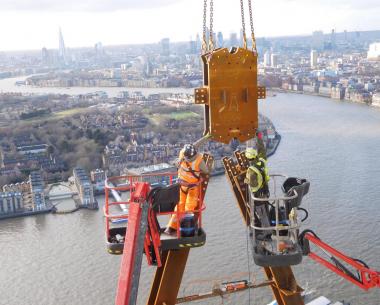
[{"x": 116, "y": 23}]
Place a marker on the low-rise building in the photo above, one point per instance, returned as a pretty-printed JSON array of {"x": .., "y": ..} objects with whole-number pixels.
[
  {"x": 98, "y": 178},
  {"x": 22, "y": 187},
  {"x": 37, "y": 189},
  {"x": 156, "y": 171},
  {"x": 11, "y": 202},
  {"x": 32, "y": 149},
  {"x": 84, "y": 186}
]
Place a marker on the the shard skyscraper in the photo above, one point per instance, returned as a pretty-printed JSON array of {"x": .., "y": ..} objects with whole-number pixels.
[{"x": 62, "y": 49}]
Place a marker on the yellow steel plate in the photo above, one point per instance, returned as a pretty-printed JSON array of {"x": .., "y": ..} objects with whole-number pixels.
[{"x": 232, "y": 94}]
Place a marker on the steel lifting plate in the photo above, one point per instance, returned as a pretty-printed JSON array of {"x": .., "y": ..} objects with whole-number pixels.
[{"x": 230, "y": 94}]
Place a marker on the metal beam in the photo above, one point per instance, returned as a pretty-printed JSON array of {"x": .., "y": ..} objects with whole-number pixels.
[{"x": 167, "y": 280}]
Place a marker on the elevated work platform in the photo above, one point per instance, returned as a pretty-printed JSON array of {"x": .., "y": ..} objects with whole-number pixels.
[{"x": 284, "y": 285}]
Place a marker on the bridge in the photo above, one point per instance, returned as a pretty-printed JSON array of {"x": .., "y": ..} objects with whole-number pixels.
[{"x": 63, "y": 194}]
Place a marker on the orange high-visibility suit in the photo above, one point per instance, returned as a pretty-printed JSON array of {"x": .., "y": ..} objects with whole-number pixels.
[{"x": 189, "y": 176}]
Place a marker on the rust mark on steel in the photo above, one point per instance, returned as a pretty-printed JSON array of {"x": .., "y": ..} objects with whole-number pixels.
[
  {"x": 168, "y": 278},
  {"x": 230, "y": 94},
  {"x": 218, "y": 292}
]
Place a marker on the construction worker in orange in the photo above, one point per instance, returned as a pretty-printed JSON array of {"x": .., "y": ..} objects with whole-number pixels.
[{"x": 190, "y": 168}]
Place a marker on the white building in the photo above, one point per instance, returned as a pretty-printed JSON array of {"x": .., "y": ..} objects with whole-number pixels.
[
  {"x": 374, "y": 51},
  {"x": 84, "y": 187},
  {"x": 313, "y": 58},
  {"x": 11, "y": 202}
]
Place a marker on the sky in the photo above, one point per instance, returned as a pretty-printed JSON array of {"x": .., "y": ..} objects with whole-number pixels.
[{"x": 33, "y": 24}]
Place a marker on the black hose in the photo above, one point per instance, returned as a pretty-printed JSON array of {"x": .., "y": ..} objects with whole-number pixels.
[
  {"x": 338, "y": 264},
  {"x": 306, "y": 214},
  {"x": 304, "y": 232},
  {"x": 343, "y": 268},
  {"x": 360, "y": 262},
  {"x": 304, "y": 243}
]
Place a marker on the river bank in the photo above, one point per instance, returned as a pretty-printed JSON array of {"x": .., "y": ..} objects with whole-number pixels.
[
  {"x": 325, "y": 142},
  {"x": 8, "y": 85},
  {"x": 280, "y": 90},
  {"x": 26, "y": 213}
]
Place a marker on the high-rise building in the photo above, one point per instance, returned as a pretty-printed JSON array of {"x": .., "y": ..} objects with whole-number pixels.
[
  {"x": 148, "y": 68},
  {"x": 62, "y": 49},
  {"x": 214, "y": 39},
  {"x": 45, "y": 56},
  {"x": 220, "y": 42},
  {"x": 165, "y": 46},
  {"x": 313, "y": 58},
  {"x": 99, "y": 51},
  {"x": 192, "y": 47},
  {"x": 267, "y": 59},
  {"x": 241, "y": 37},
  {"x": 274, "y": 60},
  {"x": 374, "y": 51},
  {"x": 318, "y": 40},
  {"x": 198, "y": 42},
  {"x": 333, "y": 39},
  {"x": 233, "y": 40}
]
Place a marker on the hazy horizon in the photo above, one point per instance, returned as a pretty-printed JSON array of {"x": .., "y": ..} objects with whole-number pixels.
[{"x": 34, "y": 25}]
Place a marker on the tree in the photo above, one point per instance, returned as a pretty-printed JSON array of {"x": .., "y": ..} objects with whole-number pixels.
[
  {"x": 89, "y": 134},
  {"x": 51, "y": 149}
]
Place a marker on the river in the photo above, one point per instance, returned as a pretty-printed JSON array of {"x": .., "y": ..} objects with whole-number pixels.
[
  {"x": 8, "y": 85},
  {"x": 61, "y": 259}
]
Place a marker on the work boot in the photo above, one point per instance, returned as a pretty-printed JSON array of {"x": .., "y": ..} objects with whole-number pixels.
[{"x": 170, "y": 231}]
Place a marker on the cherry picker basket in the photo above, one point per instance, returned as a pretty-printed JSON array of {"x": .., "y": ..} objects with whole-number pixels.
[
  {"x": 162, "y": 199},
  {"x": 275, "y": 223}
]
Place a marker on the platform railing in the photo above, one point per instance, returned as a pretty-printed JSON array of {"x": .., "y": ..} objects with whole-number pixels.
[
  {"x": 168, "y": 178},
  {"x": 278, "y": 201}
]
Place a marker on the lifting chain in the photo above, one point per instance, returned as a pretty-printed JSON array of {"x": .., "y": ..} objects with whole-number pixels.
[
  {"x": 243, "y": 24},
  {"x": 208, "y": 43},
  {"x": 204, "y": 42},
  {"x": 252, "y": 28},
  {"x": 208, "y": 35},
  {"x": 211, "y": 39}
]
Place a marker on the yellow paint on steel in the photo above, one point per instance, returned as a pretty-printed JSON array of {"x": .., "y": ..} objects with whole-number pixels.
[
  {"x": 168, "y": 278},
  {"x": 285, "y": 288},
  {"x": 230, "y": 94}
]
